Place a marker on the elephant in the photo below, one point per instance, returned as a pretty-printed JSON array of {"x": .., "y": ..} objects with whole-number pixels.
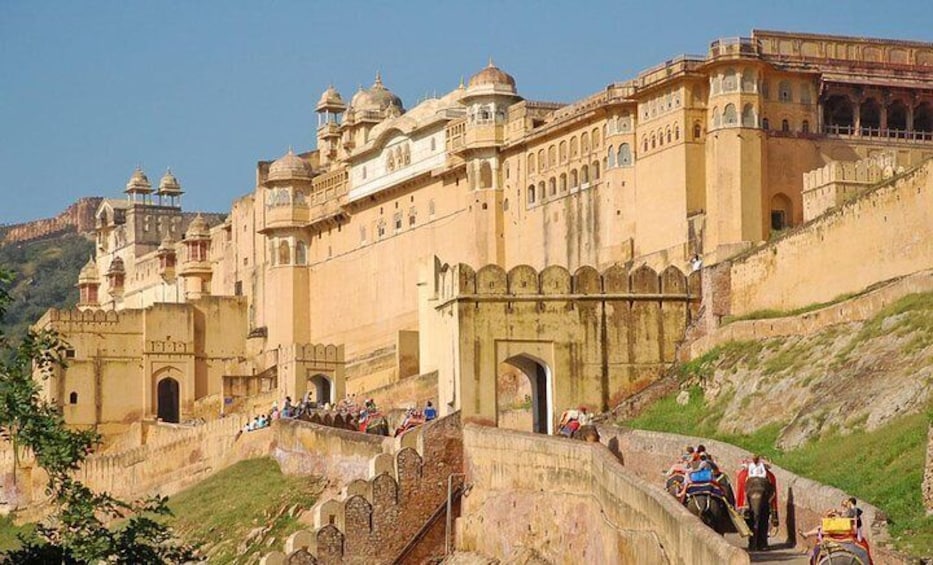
[
  {"x": 839, "y": 552},
  {"x": 712, "y": 510},
  {"x": 375, "y": 424},
  {"x": 759, "y": 493},
  {"x": 587, "y": 433}
]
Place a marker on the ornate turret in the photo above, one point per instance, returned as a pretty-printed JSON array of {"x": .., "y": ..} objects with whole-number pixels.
[
  {"x": 138, "y": 188},
  {"x": 88, "y": 285},
  {"x": 329, "y": 109},
  {"x": 116, "y": 275},
  {"x": 196, "y": 269},
  {"x": 169, "y": 188},
  {"x": 289, "y": 167},
  {"x": 167, "y": 258}
]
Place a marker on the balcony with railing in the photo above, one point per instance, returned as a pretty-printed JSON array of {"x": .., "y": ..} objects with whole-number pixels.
[
  {"x": 872, "y": 132},
  {"x": 455, "y": 135},
  {"x": 734, "y": 46}
]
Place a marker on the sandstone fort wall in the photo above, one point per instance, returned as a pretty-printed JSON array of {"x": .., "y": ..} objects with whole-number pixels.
[
  {"x": 78, "y": 217},
  {"x": 573, "y": 502},
  {"x": 882, "y": 234}
]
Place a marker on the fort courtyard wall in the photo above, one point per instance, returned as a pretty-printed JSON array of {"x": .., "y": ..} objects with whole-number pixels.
[{"x": 883, "y": 234}]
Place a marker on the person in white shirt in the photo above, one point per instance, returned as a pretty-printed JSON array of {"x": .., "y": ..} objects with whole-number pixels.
[{"x": 757, "y": 468}]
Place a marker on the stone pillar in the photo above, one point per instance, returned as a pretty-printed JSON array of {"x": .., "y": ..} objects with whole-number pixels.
[{"x": 857, "y": 116}]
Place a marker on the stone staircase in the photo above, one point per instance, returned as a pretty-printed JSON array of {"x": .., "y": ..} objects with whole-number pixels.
[{"x": 372, "y": 521}]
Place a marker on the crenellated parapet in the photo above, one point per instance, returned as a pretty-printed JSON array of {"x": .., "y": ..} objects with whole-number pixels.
[
  {"x": 374, "y": 520},
  {"x": 839, "y": 181},
  {"x": 460, "y": 281}
]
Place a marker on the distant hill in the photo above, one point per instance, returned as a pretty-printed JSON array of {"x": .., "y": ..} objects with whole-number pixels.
[{"x": 45, "y": 272}]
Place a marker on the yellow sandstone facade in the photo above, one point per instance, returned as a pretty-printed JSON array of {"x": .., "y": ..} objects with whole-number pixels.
[{"x": 325, "y": 278}]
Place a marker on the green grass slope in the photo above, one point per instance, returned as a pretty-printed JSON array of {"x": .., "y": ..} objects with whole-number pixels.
[{"x": 244, "y": 511}]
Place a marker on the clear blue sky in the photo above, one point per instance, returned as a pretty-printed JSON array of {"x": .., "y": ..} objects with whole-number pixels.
[{"x": 89, "y": 89}]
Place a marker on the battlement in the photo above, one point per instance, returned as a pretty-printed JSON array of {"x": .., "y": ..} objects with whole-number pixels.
[
  {"x": 838, "y": 181},
  {"x": 460, "y": 281},
  {"x": 374, "y": 520},
  {"x": 78, "y": 217}
]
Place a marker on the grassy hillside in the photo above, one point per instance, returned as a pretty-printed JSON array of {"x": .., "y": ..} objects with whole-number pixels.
[
  {"x": 849, "y": 406},
  {"x": 251, "y": 500},
  {"x": 45, "y": 275}
]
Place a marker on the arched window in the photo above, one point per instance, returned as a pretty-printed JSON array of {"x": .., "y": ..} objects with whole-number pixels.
[
  {"x": 531, "y": 194},
  {"x": 805, "y": 97},
  {"x": 541, "y": 190},
  {"x": 660, "y": 138},
  {"x": 552, "y": 186},
  {"x": 552, "y": 155},
  {"x": 73, "y": 398},
  {"x": 785, "y": 125},
  {"x": 676, "y": 132},
  {"x": 748, "y": 116},
  {"x": 765, "y": 89},
  {"x": 668, "y": 134},
  {"x": 625, "y": 155},
  {"x": 610, "y": 157},
  {"x": 573, "y": 179},
  {"x": 717, "y": 119},
  {"x": 584, "y": 175},
  {"x": 654, "y": 140},
  {"x": 923, "y": 117},
  {"x": 595, "y": 138},
  {"x": 782, "y": 212},
  {"x": 715, "y": 84},
  {"x": 485, "y": 175},
  {"x": 645, "y": 143},
  {"x": 531, "y": 163},
  {"x": 785, "y": 93},
  {"x": 563, "y": 182},
  {"x": 301, "y": 253},
  {"x": 897, "y": 118},
  {"x": 805, "y": 126},
  {"x": 729, "y": 81},
  {"x": 748, "y": 81},
  {"x": 765, "y": 124},
  {"x": 595, "y": 171},
  {"x": 729, "y": 116},
  {"x": 697, "y": 130},
  {"x": 870, "y": 111},
  {"x": 584, "y": 143},
  {"x": 542, "y": 164},
  {"x": 838, "y": 114},
  {"x": 562, "y": 152},
  {"x": 284, "y": 253},
  {"x": 574, "y": 148}
]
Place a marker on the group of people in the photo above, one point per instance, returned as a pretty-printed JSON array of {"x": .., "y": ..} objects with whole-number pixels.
[
  {"x": 415, "y": 417},
  {"x": 572, "y": 420}
]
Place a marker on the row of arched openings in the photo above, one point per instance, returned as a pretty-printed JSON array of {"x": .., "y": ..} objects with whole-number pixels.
[
  {"x": 871, "y": 117},
  {"x": 577, "y": 178},
  {"x": 557, "y": 154}
]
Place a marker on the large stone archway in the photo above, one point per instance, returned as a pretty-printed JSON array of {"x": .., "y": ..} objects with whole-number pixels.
[{"x": 586, "y": 338}]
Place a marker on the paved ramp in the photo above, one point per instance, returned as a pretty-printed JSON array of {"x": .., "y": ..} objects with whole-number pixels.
[{"x": 779, "y": 553}]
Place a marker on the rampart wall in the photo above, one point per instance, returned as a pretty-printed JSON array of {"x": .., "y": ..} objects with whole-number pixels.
[
  {"x": 856, "y": 309},
  {"x": 78, "y": 217},
  {"x": 802, "y": 501},
  {"x": 573, "y": 502},
  {"x": 374, "y": 520},
  {"x": 882, "y": 234},
  {"x": 174, "y": 459}
]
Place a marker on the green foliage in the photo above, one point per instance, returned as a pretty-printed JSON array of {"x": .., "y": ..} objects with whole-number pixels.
[
  {"x": 42, "y": 275},
  {"x": 78, "y": 531},
  {"x": 883, "y": 466},
  {"x": 768, "y": 314},
  {"x": 912, "y": 314},
  {"x": 223, "y": 509}
]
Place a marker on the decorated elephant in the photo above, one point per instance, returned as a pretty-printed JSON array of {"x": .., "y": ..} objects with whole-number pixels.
[
  {"x": 757, "y": 496},
  {"x": 712, "y": 509},
  {"x": 759, "y": 493},
  {"x": 587, "y": 433},
  {"x": 374, "y": 423},
  {"x": 840, "y": 552}
]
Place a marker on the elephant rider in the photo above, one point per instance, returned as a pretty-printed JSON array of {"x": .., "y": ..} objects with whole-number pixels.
[
  {"x": 571, "y": 420},
  {"x": 847, "y": 535},
  {"x": 756, "y": 467}
]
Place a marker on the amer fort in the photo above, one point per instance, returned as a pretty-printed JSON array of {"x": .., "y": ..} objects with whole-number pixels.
[{"x": 511, "y": 261}]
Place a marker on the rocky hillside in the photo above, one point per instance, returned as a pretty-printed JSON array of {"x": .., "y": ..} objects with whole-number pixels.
[
  {"x": 45, "y": 272},
  {"x": 856, "y": 376}
]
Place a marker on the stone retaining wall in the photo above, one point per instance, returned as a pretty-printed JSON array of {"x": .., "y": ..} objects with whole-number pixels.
[{"x": 573, "y": 502}]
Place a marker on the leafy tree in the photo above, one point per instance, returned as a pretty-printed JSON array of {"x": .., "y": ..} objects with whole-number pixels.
[{"x": 81, "y": 528}]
